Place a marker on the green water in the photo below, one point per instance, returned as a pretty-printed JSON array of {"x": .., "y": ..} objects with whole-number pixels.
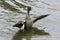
[{"x": 12, "y": 11}]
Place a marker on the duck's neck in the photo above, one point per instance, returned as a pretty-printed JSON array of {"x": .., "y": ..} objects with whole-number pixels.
[
  {"x": 28, "y": 22},
  {"x": 27, "y": 14}
]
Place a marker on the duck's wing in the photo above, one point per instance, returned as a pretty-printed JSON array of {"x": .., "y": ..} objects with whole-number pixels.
[
  {"x": 19, "y": 25},
  {"x": 40, "y": 17}
]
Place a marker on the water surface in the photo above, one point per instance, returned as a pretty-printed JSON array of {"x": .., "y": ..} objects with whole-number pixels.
[{"x": 12, "y": 11}]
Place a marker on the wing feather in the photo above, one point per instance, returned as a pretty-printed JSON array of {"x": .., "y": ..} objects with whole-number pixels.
[{"x": 40, "y": 17}]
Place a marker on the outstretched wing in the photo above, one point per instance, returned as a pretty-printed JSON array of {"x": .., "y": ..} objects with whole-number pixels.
[
  {"x": 19, "y": 25},
  {"x": 40, "y": 17}
]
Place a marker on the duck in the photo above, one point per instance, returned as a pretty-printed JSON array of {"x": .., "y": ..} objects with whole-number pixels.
[{"x": 28, "y": 22}]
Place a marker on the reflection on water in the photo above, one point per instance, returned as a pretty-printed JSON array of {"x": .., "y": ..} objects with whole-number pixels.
[
  {"x": 12, "y": 11},
  {"x": 7, "y": 6},
  {"x": 28, "y": 34}
]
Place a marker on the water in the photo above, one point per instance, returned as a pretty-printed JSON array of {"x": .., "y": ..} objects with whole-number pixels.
[{"x": 12, "y": 11}]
